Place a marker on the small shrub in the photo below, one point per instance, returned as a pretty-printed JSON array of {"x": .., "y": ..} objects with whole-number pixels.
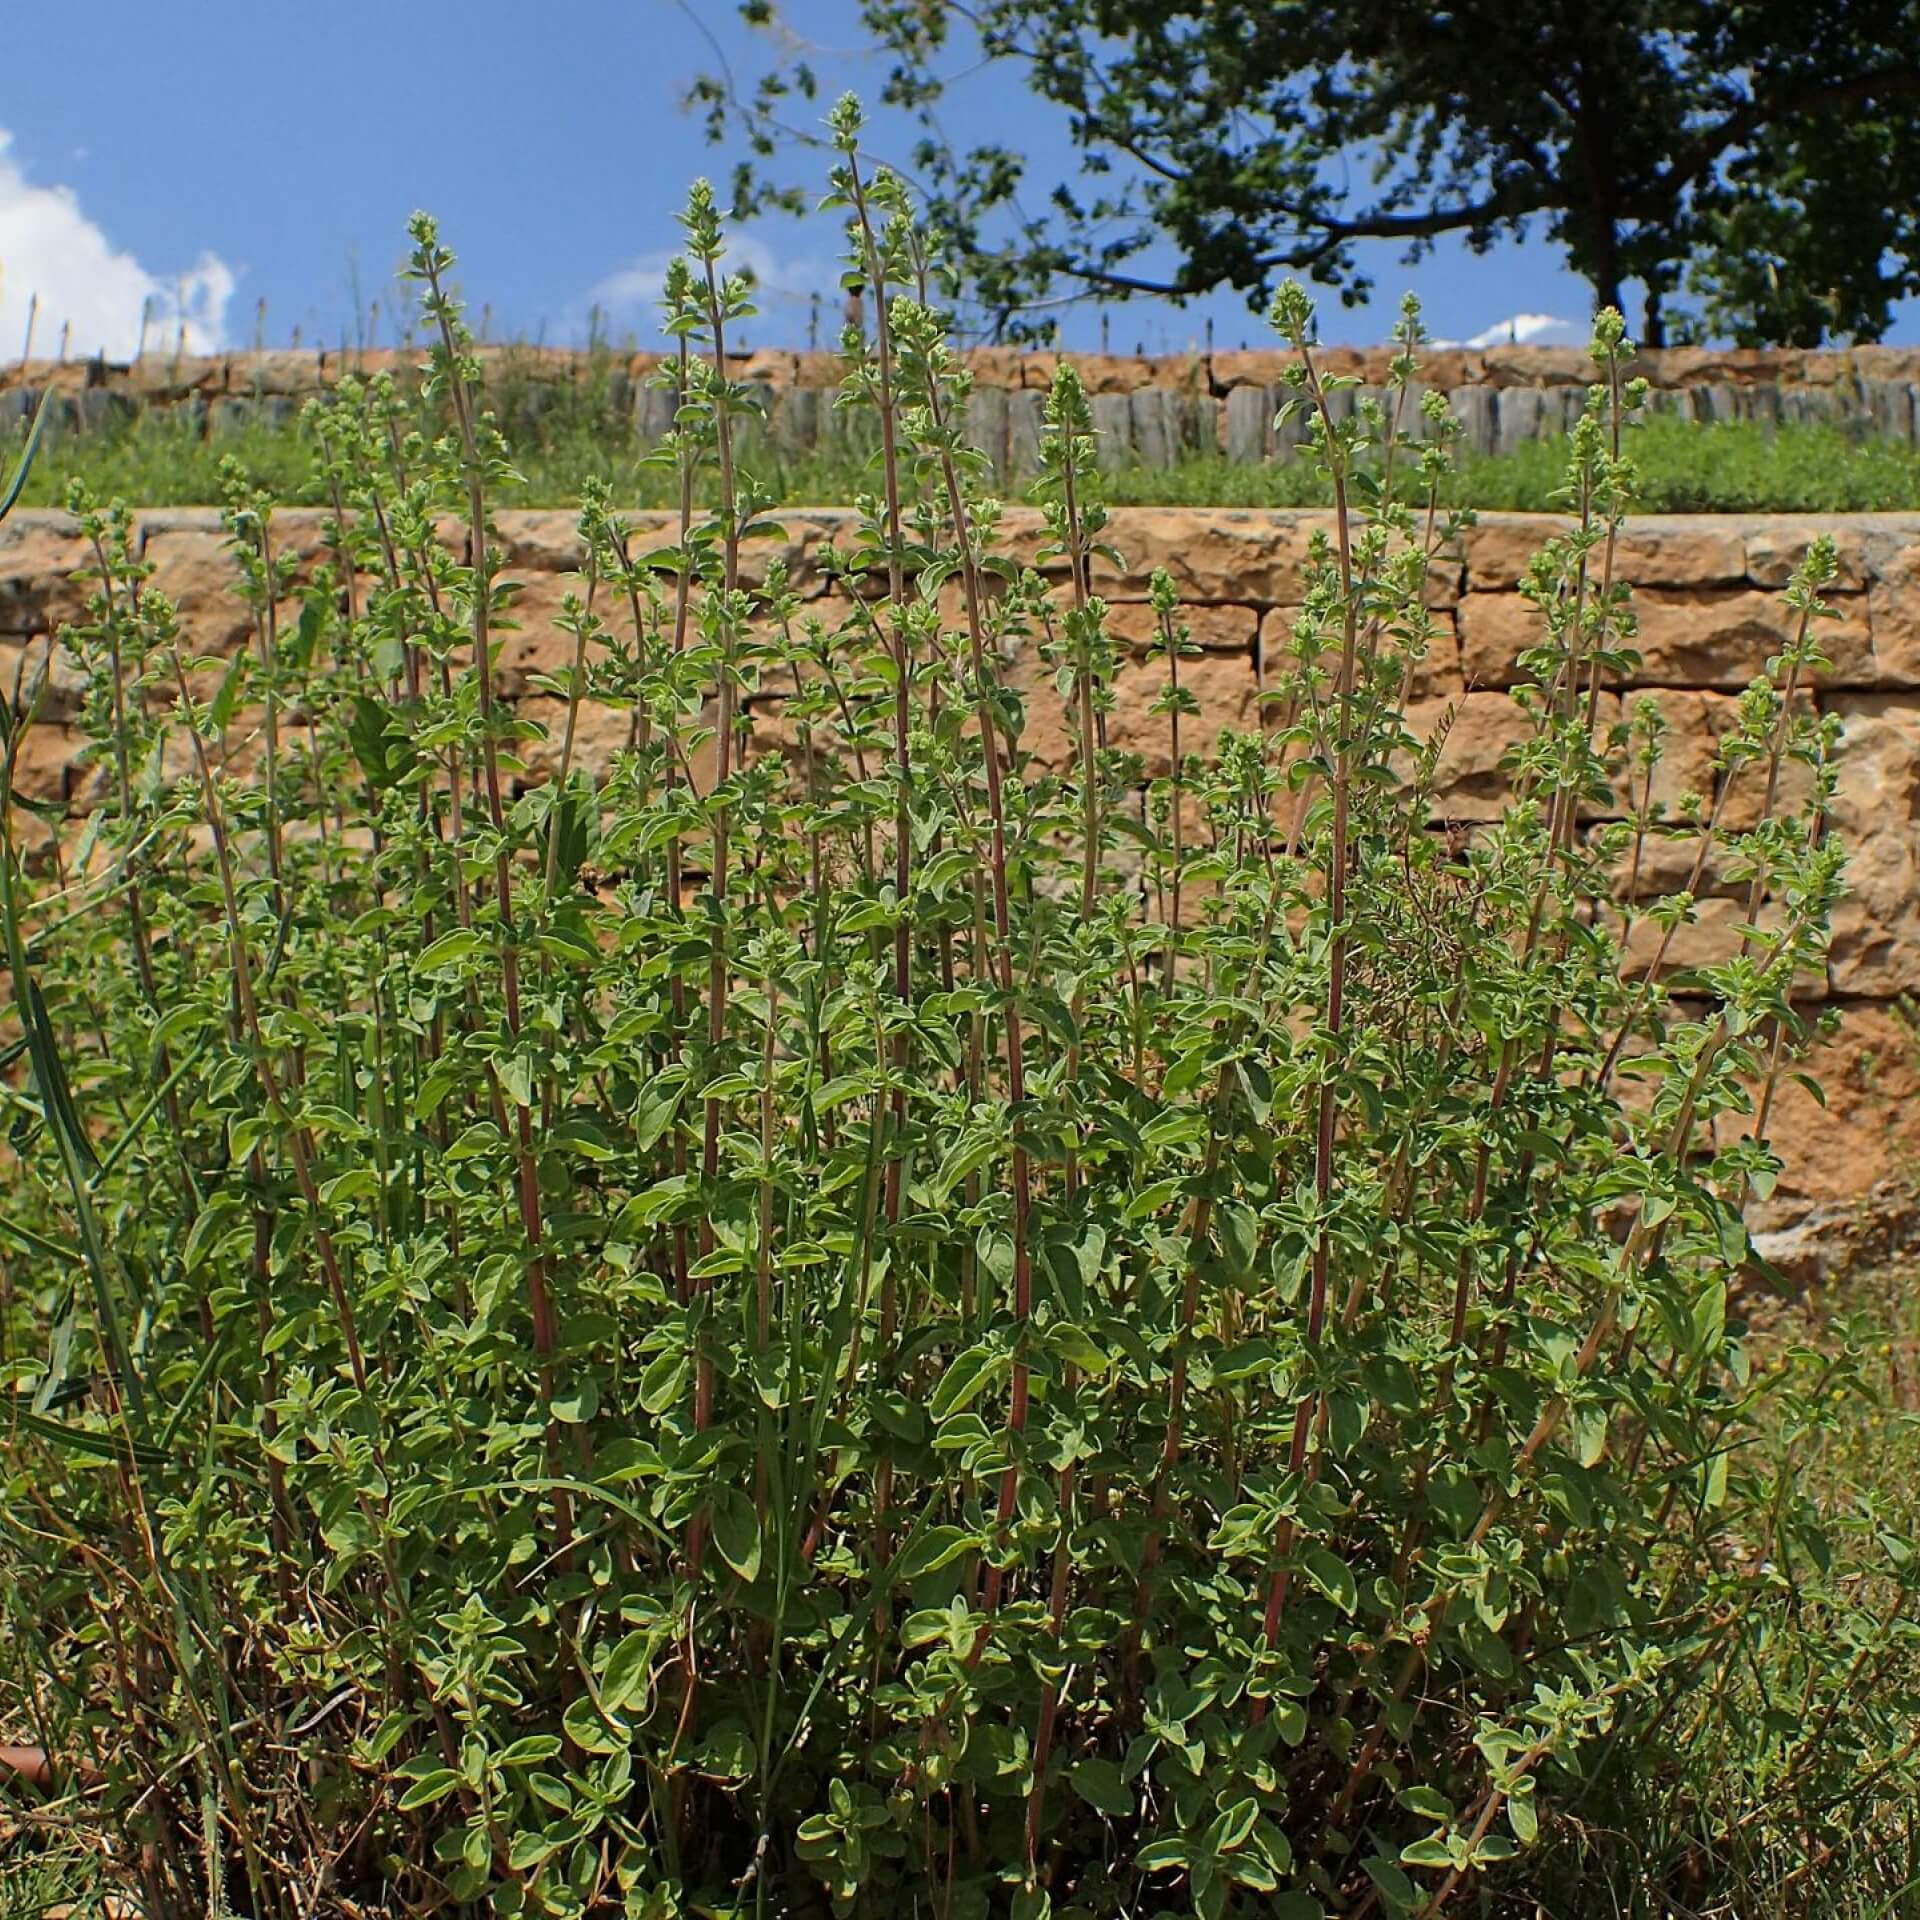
[
  {"x": 856, "y": 1317},
  {"x": 586, "y": 433}
]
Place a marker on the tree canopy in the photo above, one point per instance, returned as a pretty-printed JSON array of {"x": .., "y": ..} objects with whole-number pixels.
[{"x": 1754, "y": 168}]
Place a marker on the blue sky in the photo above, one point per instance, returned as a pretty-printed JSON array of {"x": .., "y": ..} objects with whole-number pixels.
[{"x": 203, "y": 160}]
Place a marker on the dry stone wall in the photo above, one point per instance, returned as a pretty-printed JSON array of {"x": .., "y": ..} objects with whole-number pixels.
[
  {"x": 1152, "y": 411},
  {"x": 1708, "y": 598}
]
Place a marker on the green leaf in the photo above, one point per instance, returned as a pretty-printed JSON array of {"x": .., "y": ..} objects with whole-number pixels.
[
  {"x": 450, "y": 949},
  {"x": 227, "y": 701},
  {"x": 577, "y": 1403},
  {"x": 1103, "y": 1787},
  {"x": 663, "y": 1382},
  {"x": 1239, "y": 1237},
  {"x": 1713, "y": 1494},
  {"x": 659, "y": 1101},
  {"x": 936, "y": 1548},
  {"x": 516, "y": 1072},
  {"x": 347, "y": 1187},
  {"x": 385, "y": 754},
  {"x": 1589, "y": 1425},
  {"x": 1428, "y": 1803},
  {"x": 970, "y": 1152},
  {"x": 736, "y": 1532},
  {"x": 28, "y": 1241},
  {"x": 528, "y": 1849},
  {"x": 966, "y": 1378},
  {"x": 215, "y": 1221},
  {"x": 96, "y": 1445},
  {"x": 429, "y": 1789},
  {"x": 589, "y": 1732},
  {"x": 17, "y": 485},
  {"x": 624, "y": 1679},
  {"x": 1075, "y": 1344},
  {"x": 1396, "y": 1890},
  {"x": 50, "y": 1078},
  {"x": 1233, "y": 1825},
  {"x": 1333, "y": 1577}
]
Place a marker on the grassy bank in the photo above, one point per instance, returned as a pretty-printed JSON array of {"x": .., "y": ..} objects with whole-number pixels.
[{"x": 1735, "y": 467}]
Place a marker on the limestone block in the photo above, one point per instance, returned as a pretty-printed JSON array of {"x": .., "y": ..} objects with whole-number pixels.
[
  {"x": 291, "y": 372},
  {"x": 1709, "y": 637},
  {"x": 1471, "y": 780},
  {"x": 1694, "y": 724},
  {"x": 544, "y": 538},
  {"x": 986, "y": 425},
  {"x": 1113, "y": 423},
  {"x": 1250, "y": 555},
  {"x": 1776, "y": 544},
  {"x": 44, "y": 667},
  {"x": 157, "y": 379},
  {"x": 1155, "y": 427},
  {"x": 1715, "y": 934},
  {"x": 1668, "y": 861},
  {"x": 600, "y": 733},
  {"x": 1893, "y": 605},
  {"x": 43, "y": 764},
  {"x": 1202, "y": 425},
  {"x": 1854, "y": 1157},
  {"x": 795, "y": 422},
  {"x": 1889, "y": 406},
  {"x": 1133, "y": 627},
  {"x": 1250, "y": 412},
  {"x": 1262, "y": 367},
  {"x": 1715, "y": 403},
  {"x": 1223, "y": 684},
  {"x": 1653, "y": 550},
  {"x": 195, "y": 569},
  {"x": 1000, "y": 367},
  {"x": 1517, "y": 417},
  {"x": 653, "y": 411},
  {"x": 1807, "y": 406},
  {"x": 39, "y": 554},
  {"x": 531, "y": 640},
  {"x": 1479, "y": 419},
  {"x": 1876, "y": 812},
  {"x": 1024, "y": 423},
  {"x": 1435, "y": 676}
]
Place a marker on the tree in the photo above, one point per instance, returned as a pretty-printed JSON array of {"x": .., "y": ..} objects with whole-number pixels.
[{"x": 1763, "y": 157}]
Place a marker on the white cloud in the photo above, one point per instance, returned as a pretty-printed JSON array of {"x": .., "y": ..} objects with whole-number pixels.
[
  {"x": 783, "y": 288},
  {"x": 49, "y": 247},
  {"x": 1523, "y": 330}
]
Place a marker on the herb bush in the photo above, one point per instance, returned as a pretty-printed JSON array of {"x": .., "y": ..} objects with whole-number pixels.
[
  {"x": 841, "y": 1321},
  {"x": 163, "y": 458}
]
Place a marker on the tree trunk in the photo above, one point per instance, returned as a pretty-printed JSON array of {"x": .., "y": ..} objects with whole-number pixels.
[{"x": 1606, "y": 261}]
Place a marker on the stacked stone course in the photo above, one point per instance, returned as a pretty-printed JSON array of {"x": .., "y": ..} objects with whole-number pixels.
[
  {"x": 1152, "y": 411},
  {"x": 1710, "y": 612}
]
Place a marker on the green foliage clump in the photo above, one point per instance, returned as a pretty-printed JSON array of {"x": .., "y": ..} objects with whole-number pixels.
[
  {"x": 162, "y": 459},
  {"x": 1705, "y": 149},
  {"x": 859, "y": 1317}
]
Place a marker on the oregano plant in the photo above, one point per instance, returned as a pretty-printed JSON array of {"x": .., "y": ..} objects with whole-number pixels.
[{"x": 874, "y": 1305}]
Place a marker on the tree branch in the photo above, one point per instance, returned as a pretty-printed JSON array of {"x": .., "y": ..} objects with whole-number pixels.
[
  {"x": 1737, "y": 127},
  {"x": 1330, "y": 235}
]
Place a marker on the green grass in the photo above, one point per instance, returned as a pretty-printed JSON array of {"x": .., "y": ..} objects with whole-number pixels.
[
  {"x": 37, "y": 1878},
  {"x": 158, "y": 460},
  {"x": 1853, "y": 1347}
]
